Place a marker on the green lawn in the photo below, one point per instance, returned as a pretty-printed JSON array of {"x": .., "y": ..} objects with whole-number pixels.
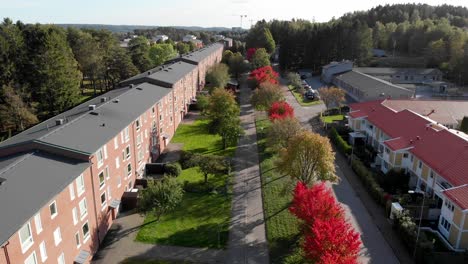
[
  {"x": 282, "y": 227},
  {"x": 144, "y": 261},
  {"x": 202, "y": 219},
  {"x": 330, "y": 119},
  {"x": 301, "y": 99}
]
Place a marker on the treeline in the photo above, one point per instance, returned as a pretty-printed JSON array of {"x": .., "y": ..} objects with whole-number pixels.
[
  {"x": 435, "y": 33},
  {"x": 44, "y": 67}
]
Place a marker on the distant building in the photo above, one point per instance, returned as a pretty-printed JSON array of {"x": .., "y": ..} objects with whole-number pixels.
[
  {"x": 124, "y": 43},
  {"x": 161, "y": 38},
  {"x": 227, "y": 42},
  {"x": 329, "y": 70},
  {"x": 188, "y": 38},
  {"x": 403, "y": 75},
  {"x": 378, "y": 53},
  {"x": 218, "y": 37}
]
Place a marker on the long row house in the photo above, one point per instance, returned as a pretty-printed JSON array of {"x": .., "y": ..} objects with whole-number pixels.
[
  {"x": 418, "y": 137},
  {"x": 61, "y": 181}
]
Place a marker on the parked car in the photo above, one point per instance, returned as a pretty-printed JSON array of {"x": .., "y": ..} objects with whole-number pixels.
[
  {"x": 311, "y": 94},
  {"x": 303, "y": 76}
]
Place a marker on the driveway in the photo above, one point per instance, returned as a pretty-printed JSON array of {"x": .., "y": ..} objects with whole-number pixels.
[{"x": 375, "y": 247}]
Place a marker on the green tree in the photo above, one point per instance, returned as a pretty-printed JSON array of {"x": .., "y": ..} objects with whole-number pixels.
[
  {"x": 260, "y": 37},
  {"x": 260, "y": 59},
  {"x": 227, "y": 54},
  {"x": 161, "y": 196},
  {"x": 295, "y": 80},
  {"x": 159, "y": 53},
  {"x": 281, "y": 131},
  {"x": 308, "y": 158},
  {"x": 182, "y": 47},
  {"x": 212, "y": 165},
  {"x": 464, "y": 124},
  {"x": 265, "y": 95},
  {"x": 218, "y": 75},
  {"x": 332, "y": 96},
  {"x": 119, "y": 65},
  {"x": 237, "y": 65},
  {"x": 225, "y": 122},
  {"x": 12, "y": 51},
  {"x": 139, "y": 51},
  {"x": 14, "y": 112},
  {"x": 436, "y": 53}
]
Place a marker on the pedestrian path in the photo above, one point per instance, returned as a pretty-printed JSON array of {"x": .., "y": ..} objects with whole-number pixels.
[{"x": 247, "y": 238}]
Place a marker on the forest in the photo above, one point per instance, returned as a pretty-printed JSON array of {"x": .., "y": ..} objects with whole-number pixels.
[{"x": 438, "y": 35}]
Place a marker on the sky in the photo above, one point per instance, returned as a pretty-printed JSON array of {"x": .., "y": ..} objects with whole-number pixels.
[{"x": 205, "y": 13}]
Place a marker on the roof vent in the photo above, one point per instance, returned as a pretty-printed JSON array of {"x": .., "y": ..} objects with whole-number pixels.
[
  {"x": 116, "y": 100},
  {"x": 103, "y": 99},
  {"x": 59, "y": 122},
  {"x": 92, "y": 107},
  {"x": 139, "y": 88},
  {"x": 149, "y": 72},
  {"x": 131, "y": 85},
  {"x": 418, "y": 138},
  {"x": 2, "y": 180},
  {"x": 411, "y": 141},
  {"x": 94, "y": 113}
]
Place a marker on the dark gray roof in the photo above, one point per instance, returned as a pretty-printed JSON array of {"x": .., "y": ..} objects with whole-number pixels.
[
  {"x": 43, "y": 128},
  {"x": 373, "y": 87},
  {"x": 32, "y": 180},
  {"x": 90, "y": 132},
  {"x": 199, "y": 55},
  {"x": 166, "y": 75},
  {"x": 394, "y": 71}
]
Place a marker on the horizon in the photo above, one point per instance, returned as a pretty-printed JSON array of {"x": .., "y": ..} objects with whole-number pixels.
[{"x": 191, "y": 13}]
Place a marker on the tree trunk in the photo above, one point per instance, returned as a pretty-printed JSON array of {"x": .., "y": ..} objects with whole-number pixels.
[
  {"x": 94, "y": 86},
  {"x": 206, "y": 177}
]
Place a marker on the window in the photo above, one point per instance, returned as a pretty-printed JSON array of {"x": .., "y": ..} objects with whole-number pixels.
[
  {"x": 405, "y": 155},
  {"x": 119, "y": 181},
  {"x": 109, "y": 195},
  {"x": 449, "y": 205},
  {"x": 138, "y": 140},
  {"x": 85, "y": 229},
  {"x": 140, "y": 155},
  {"x": 101, "y": 179},
  {"x": 72, "y": 191},
  {"x": 127, "y": 152},
  {"x": 83, "y": 208},
  {"x": 38, "y": 223},
  {"x": 117, "y": 162},
  {"x": 138, "y": 124},
  {"x": 116, "y": 143},
  {"x": 153, "y": 110},
  {"x": 57, "y": 236},
  {"x": 103, "y": 200},
  {"x": 387, "y": 151},
  {"x": 420, "y": 164},
  {"x": 80, "y": 185},
  {"x": 412, "y": 158},
  {"x": 61, "y": 259},
  {"x": 154, "y": 126},
  {"x": 105, "y": 151},
  {"x": 160, "y": 118},
  {"x": 26, "y": 238},
  {"x": 53, "y": 210},
  {"x": 77, "y": 239},
  {"x": 75, "y": 215},
  {"x": 106, "y": 172},
  {"x": 431, "y": 174},
  {"x": 445, "y": 224},
  {"x": 32, "y": 259},
  {"x": 130, "y": 185},
  {"x": 100, "y": 157},
  {"x": 122, "y": 137},
  {"x": 43, "y": 251},
  {"x": 160, "y": 130},
  {"x": 129, "y": 169},
  {"x": 126, "y": 134}
]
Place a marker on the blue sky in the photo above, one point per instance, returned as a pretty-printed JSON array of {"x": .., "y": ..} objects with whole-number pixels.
[{"x": 206, "y": 13}]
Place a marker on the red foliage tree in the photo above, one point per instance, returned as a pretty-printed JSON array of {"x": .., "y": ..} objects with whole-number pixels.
[
  {"x": 280, "y": 110},
  {"x": 250, "y": 53},
  {"x": 328, "y": 237},
  {"x": 264, "y": 74}
]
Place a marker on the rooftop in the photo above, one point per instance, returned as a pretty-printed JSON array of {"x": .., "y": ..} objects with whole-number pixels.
[
  {"x": 197, "y": 56},
  {"x": 396, "y": 71},
  {"x": 166, "y": 75},
  {"x": 373, "y": 87},
  {"x": 31, "y": 181},
  {"x": 459, "y": 195}
]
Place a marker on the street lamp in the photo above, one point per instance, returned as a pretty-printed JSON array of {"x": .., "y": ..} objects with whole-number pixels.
[{"x": 420, "y": 218}]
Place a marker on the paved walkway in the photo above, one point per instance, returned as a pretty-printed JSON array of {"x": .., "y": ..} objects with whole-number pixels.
[
  {"x": 361, "y": 211},
  {"x": 247, "y": 238},
  {"x": 120, "y": 244}
]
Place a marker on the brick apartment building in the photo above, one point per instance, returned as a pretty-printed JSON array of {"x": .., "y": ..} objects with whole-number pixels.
[{"x": 61, "y": 181}]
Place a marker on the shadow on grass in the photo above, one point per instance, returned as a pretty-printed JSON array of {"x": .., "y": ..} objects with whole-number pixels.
[{"x": 282, "y": 248}]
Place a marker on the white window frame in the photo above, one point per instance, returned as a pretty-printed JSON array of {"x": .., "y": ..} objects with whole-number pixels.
[
  {"x": 117, "y": 162},
  {"x": 105, "y": 151},
  {"x": 107, "y": 173},
  {"x": 116, "y": 143},
  {"x": 103, "y": 182},
  {"x": 128, "y": 154},
  {"x": 75, "y": 215},
  {"x": 57, "y": 236},
  {"x": 100, "y": 157},
  {"x": 52, "y": 216},
  {"x": 119, "y": 181},
  {"x": 71, "y": 188},
  {"x": 61, "y": 259},
  {"x": 31, "y": 258},
  {"x": 83, "y": 206},
  {"x": 139, "y": 140},
  {"x": 38, "y": 223},
  {"x": 103, "y": 203},
  {"x": 43, "y": 251},
  {"x": 129, "y": 173},
  {"x": 138, "y": 124},
  {"x": 108, "y": 193},
  {"x": 77, "y": 239},
  {"x": 126, "y": 134},
  {"x": 29, "y": 241},
  {"x": 80, "y": 185},
  {"x": 87, "y": 235}
]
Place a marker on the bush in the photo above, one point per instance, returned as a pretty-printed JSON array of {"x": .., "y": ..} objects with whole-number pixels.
[
  {"x": 369, "y": 181},
  {"x": 340, "y": 143},
  {"x": 173, "y": 169},
  {"x": 202, "y": 102},
  {"x": 188, "y": 159},
  {"x": 199, "y": 187}
]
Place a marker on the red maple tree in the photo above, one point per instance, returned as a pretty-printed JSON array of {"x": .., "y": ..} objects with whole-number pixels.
[
  {"x": 328, "y": 237},
  {"x": 264, "y": 74},
  {"x": 280, "y": 110},
  {"x": 250, "y": 53}
]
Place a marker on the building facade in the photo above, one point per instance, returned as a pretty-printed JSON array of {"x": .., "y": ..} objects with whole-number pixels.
[{"x": 61, "y": 181}]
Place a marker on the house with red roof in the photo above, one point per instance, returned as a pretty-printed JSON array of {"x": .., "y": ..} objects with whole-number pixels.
[{"x": 435, "y": 156}]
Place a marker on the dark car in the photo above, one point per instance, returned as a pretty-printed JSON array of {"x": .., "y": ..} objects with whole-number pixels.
[
  {"x": 311, "y": 94},
  {"x": 303, "y": 77}
]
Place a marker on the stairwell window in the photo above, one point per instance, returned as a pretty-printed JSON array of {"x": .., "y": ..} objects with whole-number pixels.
[
  {"x": 83, "y": 208},
  {"x": 85, "y": 230},
  {"x": 100, "y": 157},
  {"x": 53, "y": 210},
  {"x": 127, "y": 134},
  {"x": 80, "y": 185},
  {"x": 129, "y": 170},
  {"x": 138, "y": 124},
  {"x": 26, "y": 238}
]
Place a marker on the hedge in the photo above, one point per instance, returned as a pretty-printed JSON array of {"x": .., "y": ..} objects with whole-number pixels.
[
  {"x": 369, "y": 181},
  {"x": 341, "y": 144},
  {"x": 173, "y": 169}
]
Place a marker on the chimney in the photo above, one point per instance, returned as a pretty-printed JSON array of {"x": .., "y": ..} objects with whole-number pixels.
[
  {"x": 59, "y": 122},
  {"x": 116, "y": 100},
  {"x": 92, "y": 107}
]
